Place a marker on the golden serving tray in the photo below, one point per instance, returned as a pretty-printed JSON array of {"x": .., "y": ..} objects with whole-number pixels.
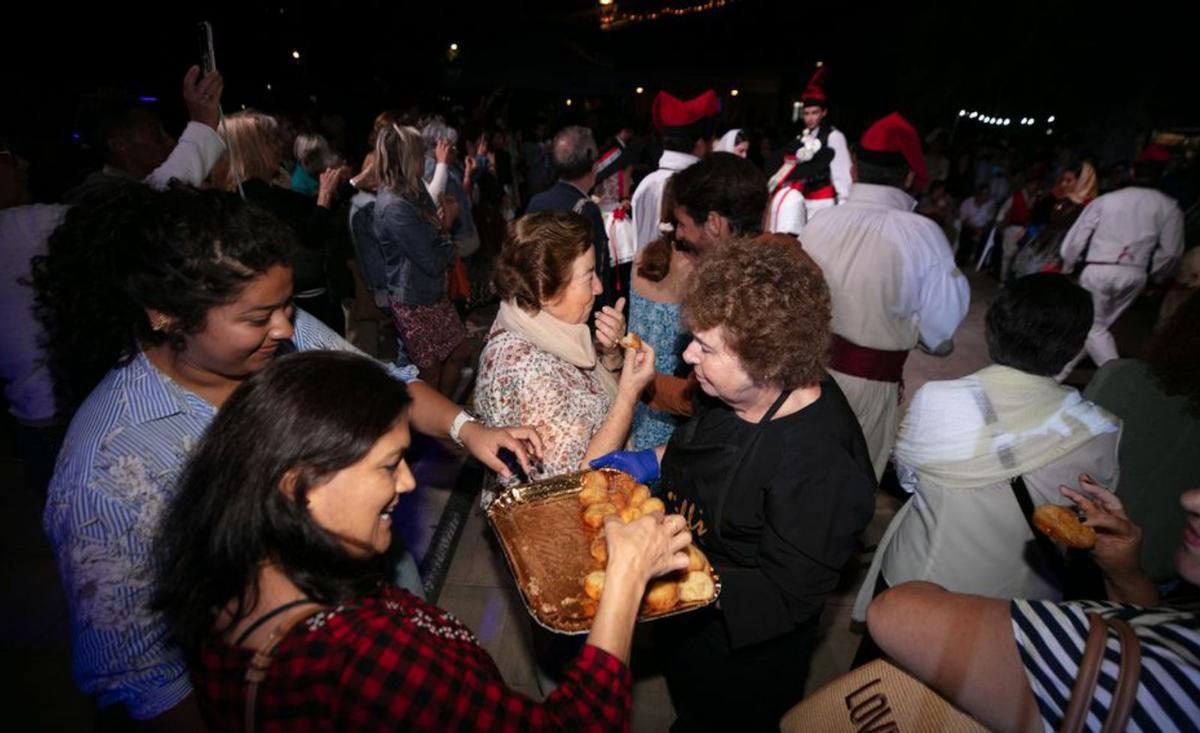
[{"x": 547, "y": 548}]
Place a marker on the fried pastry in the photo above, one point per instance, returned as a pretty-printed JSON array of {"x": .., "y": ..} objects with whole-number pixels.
[
  {"x": 697, "y": 586},
  {"x": 631, "y": 341},
  {"x": 594, "y": 515},
  {"x": 696, "y": 559},
  {"x": 640, "y": 494},
  {"x": 593, "y": 584},
  {"x": 621, "y": 481},
  {"x": 599, "y": 550},
  {"x": 1062, "y": 525},
  {"x": 661, "y": 596},
  {"x": 629, "y": 514},
  {"x": 653, "y": 504}
]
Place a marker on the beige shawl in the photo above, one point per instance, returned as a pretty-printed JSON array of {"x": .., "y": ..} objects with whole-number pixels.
[{"x": 568, "y": 341}]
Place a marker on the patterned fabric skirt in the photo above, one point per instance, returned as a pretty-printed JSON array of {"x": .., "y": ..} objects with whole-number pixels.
[{"x": 430, "y": 332}]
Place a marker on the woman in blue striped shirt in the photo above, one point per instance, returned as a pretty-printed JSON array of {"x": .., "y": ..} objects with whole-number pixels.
[
  {"x": 1012, "y": 664},
  {"x": 158, "y": 306}
]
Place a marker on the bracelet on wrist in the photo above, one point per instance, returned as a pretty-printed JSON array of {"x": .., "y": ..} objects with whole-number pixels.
[{"x": 461, "y": 419}]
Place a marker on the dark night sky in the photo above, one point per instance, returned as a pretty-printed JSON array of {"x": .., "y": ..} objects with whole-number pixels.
[{"x": 1013, "y": 58}]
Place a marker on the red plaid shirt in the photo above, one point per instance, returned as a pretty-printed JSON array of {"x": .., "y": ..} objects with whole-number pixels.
[{"x": 393, "y": 662}]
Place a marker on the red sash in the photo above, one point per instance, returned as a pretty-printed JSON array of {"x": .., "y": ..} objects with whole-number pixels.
[
  {"x": 822, "y": 193},
  {"x": 867, "y": 363}
]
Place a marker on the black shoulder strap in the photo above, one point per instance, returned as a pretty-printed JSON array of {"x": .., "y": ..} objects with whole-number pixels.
[{"x": 1053, "y": 559}]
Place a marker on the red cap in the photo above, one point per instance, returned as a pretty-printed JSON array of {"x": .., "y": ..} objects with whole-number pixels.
[
  {"x": 670, "y": 111},
  {"x": 815, "y": 91},
  {"x": 895, "y": 135},
  {"x": 1154, "y": 153}
]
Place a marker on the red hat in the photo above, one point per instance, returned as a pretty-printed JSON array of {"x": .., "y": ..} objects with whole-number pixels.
[
  {"x": 1154, "y": 153},
  {"x": 668, "y": 111},
  {"x": 814, "y": 93},
  {"x": 894, "y": 140}
]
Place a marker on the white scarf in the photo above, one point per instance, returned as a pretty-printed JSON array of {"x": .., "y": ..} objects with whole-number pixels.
[
  {"x": 571, "y": 342},
  {"x": 993, "y": 425}
]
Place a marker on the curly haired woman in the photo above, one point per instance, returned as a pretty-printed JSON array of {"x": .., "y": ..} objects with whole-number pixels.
[{"x": 774, "y": 477}]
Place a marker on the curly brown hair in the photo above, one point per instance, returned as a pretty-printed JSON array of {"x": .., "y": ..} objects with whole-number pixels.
[
  {"x": 773, "y": 303},
  {"x": 535, "y": 261},
  {"x": 1173, "y": 355}
]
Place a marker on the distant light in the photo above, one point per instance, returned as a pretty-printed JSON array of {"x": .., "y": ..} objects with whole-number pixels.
[
  {"x": 639, "y": 90},
  {"x": 733, "y": 92},
  {"x": 973, "y": 115},
  {"x": 1050, "y": 131},
  {"x": 1007, "y": 121},
  {"x": 296, "y": 55},
  {"x": 568, "y": 101},
  {"x": 795, "y": 105},
  {"x": 962, "y": 113},
  {"x": 243, "y": 106},
  {"x": 1050, "y": 118},
  {"x": 820, "y": 64},
  {"x": 453, "y": 46},
  {"x": 606, "y": 2},
  {"x": 147, "y": 99},
  {"x": 268, "y": 87},
  {"x": 76, "y": 136}
]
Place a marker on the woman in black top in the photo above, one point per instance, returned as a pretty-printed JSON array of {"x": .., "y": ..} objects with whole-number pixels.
[{"x": 774, "y": 477}]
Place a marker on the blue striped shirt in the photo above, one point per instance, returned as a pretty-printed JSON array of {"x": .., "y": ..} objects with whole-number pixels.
[
  {"x": 1051, "y": 637},
  {"x": 115, "y": 476}
]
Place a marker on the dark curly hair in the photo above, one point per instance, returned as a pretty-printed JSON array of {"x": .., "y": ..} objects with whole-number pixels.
[
  {"x": 1173, "y": 354},
  {"x": 773, "y": 304},
  {"x": 178, "y": 251},
  {"x": 725, "y": 183},
  {"x": 315, "y": 413},
  {"x": 1038, "y": 323},
  {"x": 535, "y": 261}
]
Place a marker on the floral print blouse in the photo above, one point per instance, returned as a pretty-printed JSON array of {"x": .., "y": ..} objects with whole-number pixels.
[{"x": 519, "y": 384}]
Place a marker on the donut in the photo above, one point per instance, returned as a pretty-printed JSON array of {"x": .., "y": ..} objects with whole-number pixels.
[
  {"x": 640, "y": 494},
  {"x": 599, "y": 550},
  {"x": 593, "y": 584},
  {"x": 590, "y": 495},
  {"x": 619, "y": 500},
  {"x": 621, "y": 481},
  {"x": 630, "y": 514},
  {"x": 1062, "y": 525},
  {"x": 661, "y": 596},
  {"x": 594, "y": 515},
  {"x": 653, "y": 504},
  {"x": 696, "y": 558},
  {"x": 697, "y": 586},
  {"x": 631, "y": 341}
]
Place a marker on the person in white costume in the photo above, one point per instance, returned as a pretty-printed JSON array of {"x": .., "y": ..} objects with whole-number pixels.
[
  {"x": 686, "y": 129},
  {"x": 817, "y": 176},
  {"x": 892, "y": 278},
  {"x": 1123, "y": 238}
]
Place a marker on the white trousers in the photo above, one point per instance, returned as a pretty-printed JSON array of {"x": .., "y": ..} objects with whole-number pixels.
[
  {"x": 1009, "y": 240},
  {"x": 1113, "y": 289}
]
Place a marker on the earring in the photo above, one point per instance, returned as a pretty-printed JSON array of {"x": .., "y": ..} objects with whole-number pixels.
[{"x": 159, "y": 323}]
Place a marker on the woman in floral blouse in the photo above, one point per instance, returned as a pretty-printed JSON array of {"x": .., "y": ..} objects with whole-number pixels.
[
  {"x": 273, "y": 546},
  {"x": 541, "y": 365}
]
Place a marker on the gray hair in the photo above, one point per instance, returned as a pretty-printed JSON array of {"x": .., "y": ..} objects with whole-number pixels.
[
  {"x": 434, "y": 129},
  {"x": 574, "y": 152},
  {"x": 313, "y": 152}
]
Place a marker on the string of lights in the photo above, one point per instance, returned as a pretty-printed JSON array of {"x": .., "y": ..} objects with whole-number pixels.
[
  {"x": 612, "y": 17},
  {"x": 986, "y": 119}
]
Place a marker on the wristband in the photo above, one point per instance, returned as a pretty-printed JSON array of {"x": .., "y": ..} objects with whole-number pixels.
[{"x": 462, "y": 418}]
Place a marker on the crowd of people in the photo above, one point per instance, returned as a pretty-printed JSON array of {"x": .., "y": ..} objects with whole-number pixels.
[{"x": 184, "y": 366}]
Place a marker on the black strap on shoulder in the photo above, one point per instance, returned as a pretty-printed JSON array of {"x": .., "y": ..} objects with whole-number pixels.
[
  {"x": 1053, "y": 559},
  {"x": 267, "y": 617}
]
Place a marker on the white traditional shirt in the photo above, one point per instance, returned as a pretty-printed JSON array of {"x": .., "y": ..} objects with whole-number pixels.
[
  {"x": 891, "y": 272},
  {"x": 115, "y": 478},
  {"x": 1124, "y": 227},
  {"x": 647, "y": 199},
  {"x": 839, "y": 167}
]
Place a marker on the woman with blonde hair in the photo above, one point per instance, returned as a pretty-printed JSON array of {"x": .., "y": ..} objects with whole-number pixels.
[
  {"x": 415, "y": 235},
  {"x": 252, "y": 163}
]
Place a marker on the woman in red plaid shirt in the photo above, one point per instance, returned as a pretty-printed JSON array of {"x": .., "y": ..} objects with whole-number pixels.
[{"x": 277, "y": 536}]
